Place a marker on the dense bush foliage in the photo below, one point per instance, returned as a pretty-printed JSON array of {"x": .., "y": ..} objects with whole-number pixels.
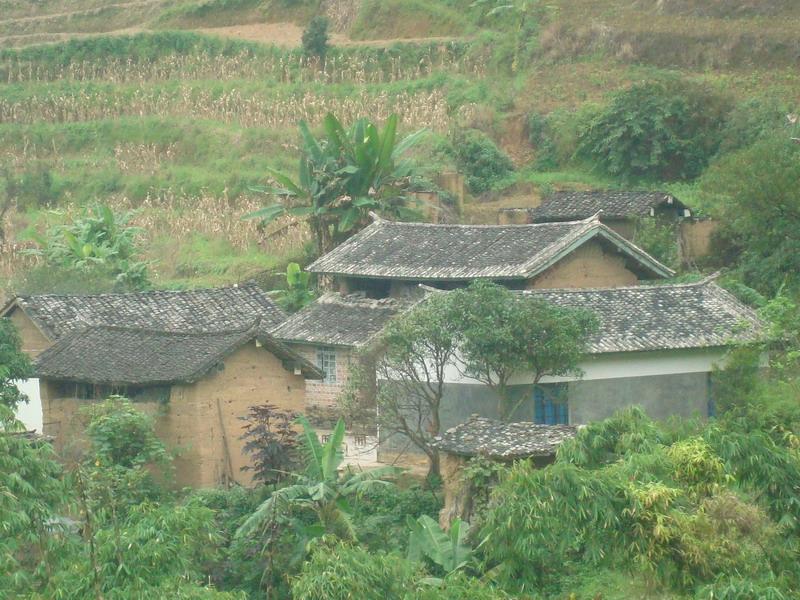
[
  {"x": 681, "y": 512},
  {"x": 756, "y": 196},
  {"x": 656, "y": 130},
  {"x": 315, "y": 37},
  {"x": 484, "y": 164}
]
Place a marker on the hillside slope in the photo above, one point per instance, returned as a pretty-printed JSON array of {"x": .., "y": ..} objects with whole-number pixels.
[{"x": 176, "y": 108}]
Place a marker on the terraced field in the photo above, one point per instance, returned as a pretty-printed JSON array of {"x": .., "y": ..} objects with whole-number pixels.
[{"x": 176, "y": 108}]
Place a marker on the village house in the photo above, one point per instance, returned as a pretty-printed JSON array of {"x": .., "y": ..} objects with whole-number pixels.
[
  {"x": 196, "y": 359},
  {"x": 335, "y": 333},
  {"x": 622, "y": 211},
  {"x": 390, "y": 259},
  {"x": 656, "y": 347},
  {"x": 495, "y": 441}
]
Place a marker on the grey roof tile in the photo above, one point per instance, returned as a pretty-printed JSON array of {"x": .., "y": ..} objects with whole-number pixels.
[
  {"x": 566, "y": 206},
  {"x": 213, "y": 309},
  {"x": 124, "y": 356},
  {"x": 427, "y": 252},
  {"x": 337, "y": 320},
  {"x": 480, "y": 436},
  {"x": 661, "y": 317}
]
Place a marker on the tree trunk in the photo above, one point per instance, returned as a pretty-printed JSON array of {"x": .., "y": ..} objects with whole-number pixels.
[{"x": 434, "y": 465}]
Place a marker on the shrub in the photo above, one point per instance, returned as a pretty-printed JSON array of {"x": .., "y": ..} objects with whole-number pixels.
[
  {"x": 14, "y": 365},
  {"x": 315, "y": 37},
  {"x": 658, "y": 130},
  {"x": 755, "y": 195},
  {"x": 458, "y": 586},
  {"x": 659, "y": 239},
  {"x": 271, "y": 441},
  {"x": 339, "y": 571},
  {"x": 483, "y": 163}
]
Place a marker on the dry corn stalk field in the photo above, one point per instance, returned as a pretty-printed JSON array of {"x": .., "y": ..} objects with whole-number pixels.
[
  {"x": 283, "y": 68},
  {"x": 416, "y": 109}
]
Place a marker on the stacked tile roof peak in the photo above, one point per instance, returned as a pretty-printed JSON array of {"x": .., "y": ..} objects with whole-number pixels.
[
  {"x": 480, "y": 436},
  {"x": 211, "y": 309},
  {"x": 430, "y": 252},
  {"x": 116, "y": 355},
  {"x": 334, "y": 319},
  {"x": 613, "y": 204}
]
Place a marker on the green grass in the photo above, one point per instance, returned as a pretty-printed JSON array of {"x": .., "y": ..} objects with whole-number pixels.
[{"x": 199, "y": 261}]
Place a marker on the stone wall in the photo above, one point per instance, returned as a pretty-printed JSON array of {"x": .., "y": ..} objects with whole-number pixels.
[
  {"x": 318, "y": 393},
  {"x": 590, "y": 266},
  {"x": 201, "y": 422}
]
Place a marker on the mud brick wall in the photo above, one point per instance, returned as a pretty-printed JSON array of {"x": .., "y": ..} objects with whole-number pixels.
[{"x": 590, "y": 266}]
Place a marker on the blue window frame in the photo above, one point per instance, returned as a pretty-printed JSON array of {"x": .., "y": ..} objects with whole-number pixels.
[{"x": 550, "y": 405}]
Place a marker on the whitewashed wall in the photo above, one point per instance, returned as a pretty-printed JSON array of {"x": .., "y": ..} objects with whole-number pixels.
[{"x": 31, "y": 413}]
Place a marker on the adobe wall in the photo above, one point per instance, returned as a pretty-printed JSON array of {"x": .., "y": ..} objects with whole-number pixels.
[
  {"x": 590, "y": 266},
  {"x": 696, "y": 236},
  {"x": 201, "y": 420},
  {"x": 33, "y": 340}
]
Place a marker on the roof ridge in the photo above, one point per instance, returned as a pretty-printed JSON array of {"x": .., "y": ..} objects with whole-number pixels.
[
  {"x": 646, "y": 286},
  {"x": 480, "y": 225},
  {"x": 168, "y": 332},
  {"x": 234, "y": 286}
]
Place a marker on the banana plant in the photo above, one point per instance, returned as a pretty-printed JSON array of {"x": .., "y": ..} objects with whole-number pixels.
[
  {"x": 342, "y": 177},
  {"x": 323, "y": 488},
  {"x": 448, "y": 550},
  {"x": 298, "y": 292}
]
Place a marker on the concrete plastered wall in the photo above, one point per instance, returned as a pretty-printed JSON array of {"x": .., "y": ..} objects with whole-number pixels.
[
  {"x": 34, "y": 342},
  {"x": 661, "y": 396},
  {"x": 201, "y": 421},
  {"x": 663, "y": 383},
  {"x": 589, "y": 266}
]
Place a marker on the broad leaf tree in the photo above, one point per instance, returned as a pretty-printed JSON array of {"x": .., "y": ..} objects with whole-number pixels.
[
  {"x": 417, "y": 348},
  {"x": 503, "y": 334},
  {"x": 342, "y": 176}
]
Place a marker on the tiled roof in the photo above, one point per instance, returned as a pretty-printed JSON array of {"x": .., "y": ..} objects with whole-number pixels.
[
  {"x": 337, "y": 320},
  {"x": 214, "y": 309},
  {"x": 120, "y": 356},
  {"x": 661, "y": 317},
  {"x": 567, "y": 206},
  {"x": 426, "y": 252},
  {"x": 494, "y": 439}
]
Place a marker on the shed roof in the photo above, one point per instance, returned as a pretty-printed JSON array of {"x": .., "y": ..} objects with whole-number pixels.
[
  {"x": 567, "y": 206},
  {"x": 122, "y": 356},
  {"x": 507, "y": 441},
  {"x": 213, "y": 309},
  {"x": 661, "y": 317},
  {"x": 430, "y": 252},
  {"x": 340, "y": 320}
]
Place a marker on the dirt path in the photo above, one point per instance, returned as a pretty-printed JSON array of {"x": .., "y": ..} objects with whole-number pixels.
[{"x": 290, "y": 35}]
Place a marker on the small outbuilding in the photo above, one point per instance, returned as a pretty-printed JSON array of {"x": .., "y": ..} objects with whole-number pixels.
[
  {"x": 495, "y": 440},
  {"x": 197, "y": 384}
]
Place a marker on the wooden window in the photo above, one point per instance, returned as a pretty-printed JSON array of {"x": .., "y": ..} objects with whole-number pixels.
[
  {"x": 550, "y": 405},
  {"x": 326, "y": 361}
]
